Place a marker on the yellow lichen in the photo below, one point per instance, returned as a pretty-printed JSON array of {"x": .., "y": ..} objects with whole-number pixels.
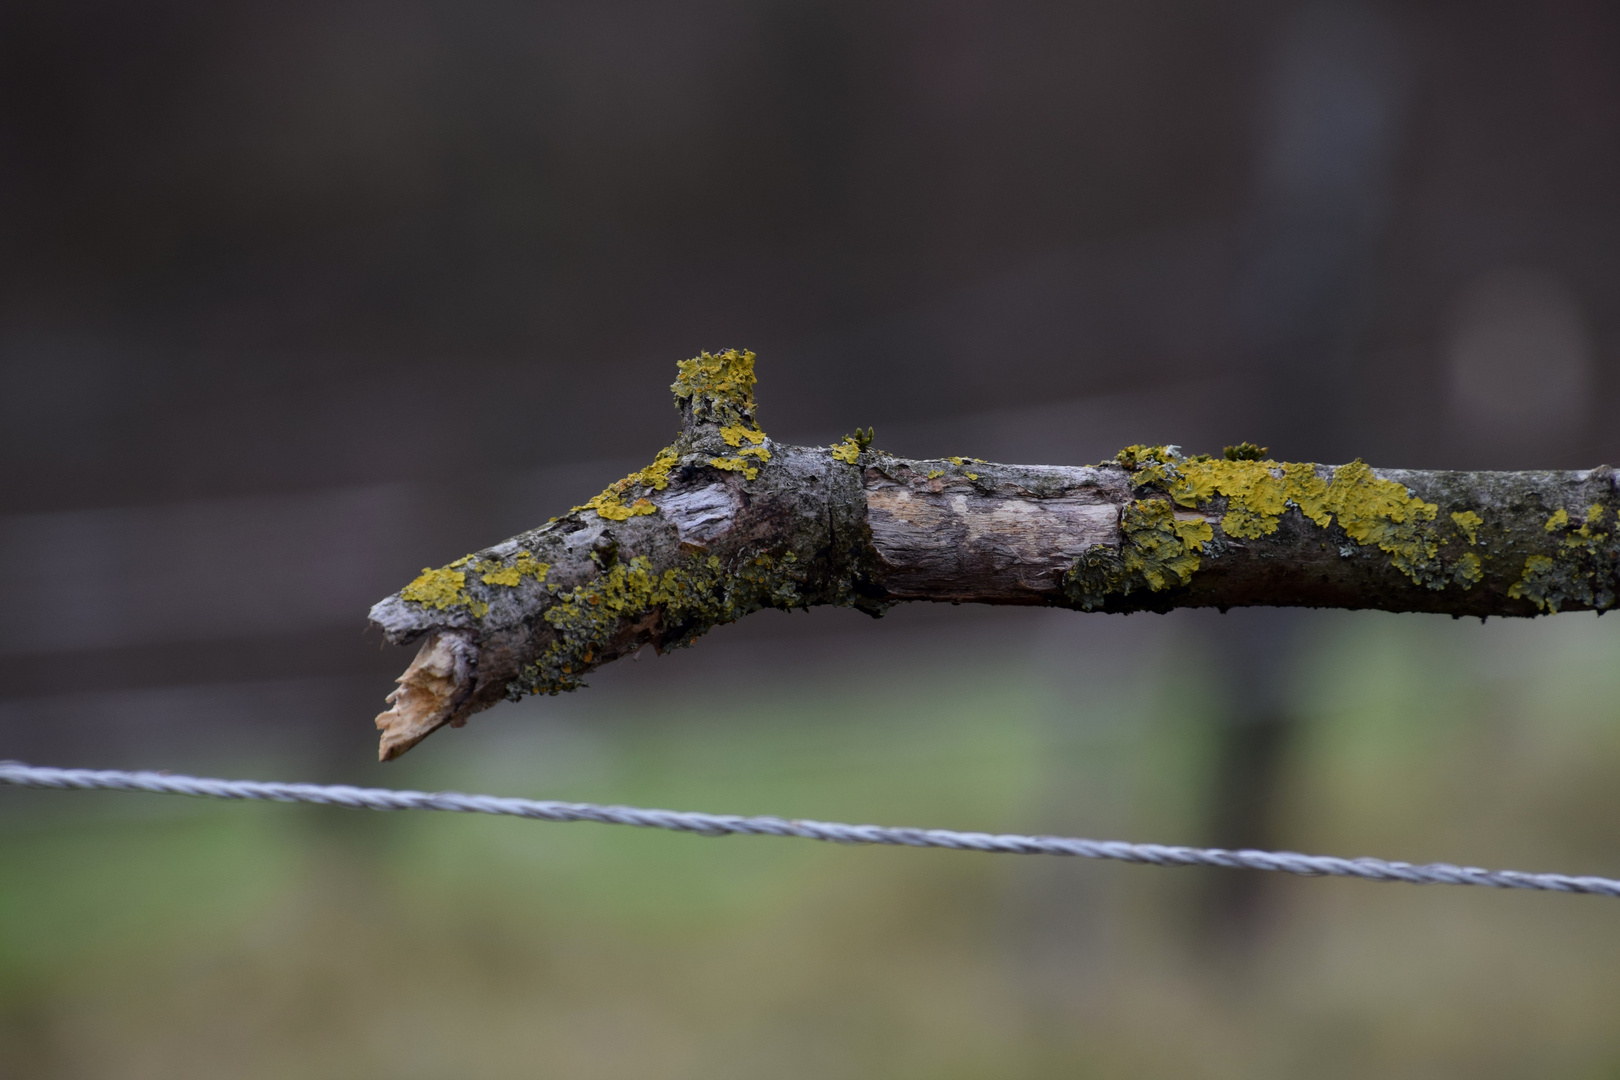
[
  {"x": 740, "y": 462},
  {"x": 441, "y": 589},
  {"x": 734, "y": 435},
  {"x": 1468, "y": 570},
  {"x": 850, "y": 448},
  {"x": 1383, "y": 513},
  {"x": 1370, "y": 509},
  {"x": 1583, "y": 568},
  {"x": 1257, "y": 492},
  {"x": 935, "y": 474},
  {"x": 436, "y": 588},
  {"x": 656, "y": 475},
  {"x": 610, "y": 503},
  {"x": 735, "y": 464},
  {"x": 1468, "y": 522},
  {"x": 610, "y": 506},
  {"x": 685, "y": 600},
  {"x": 525, "y": 565},
  {"x": 1159, "y": 549},
  {"x": 848, "y": 451},
  {"x": 718, "y": 387},
  {"x": 447, "y": 586},
  {"x": 729, "y": 373},
  {"x": 715, "y": 388},
  {"x": 1535, "y": 567},
  {"x": 1162, "y": 547}
]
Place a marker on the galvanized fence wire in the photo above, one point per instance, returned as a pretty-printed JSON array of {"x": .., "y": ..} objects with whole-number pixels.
[{"x": 1288, "y": 862}]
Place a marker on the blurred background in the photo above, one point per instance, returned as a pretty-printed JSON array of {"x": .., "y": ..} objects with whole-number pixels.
[{"x": 299, "y": 298}]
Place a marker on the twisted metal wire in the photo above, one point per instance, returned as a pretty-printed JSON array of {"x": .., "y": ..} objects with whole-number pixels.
[{"x": 1288, "y": 862}]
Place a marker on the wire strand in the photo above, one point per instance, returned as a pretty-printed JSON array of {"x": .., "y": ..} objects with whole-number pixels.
[{"x": 18, "y": 774}]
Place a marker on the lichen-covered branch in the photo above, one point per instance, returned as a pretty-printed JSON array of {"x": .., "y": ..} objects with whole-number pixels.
[{"x": 725, "y": 521}]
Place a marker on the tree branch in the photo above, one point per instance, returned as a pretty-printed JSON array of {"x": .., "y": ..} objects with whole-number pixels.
[{"x": 726, "y": 522}]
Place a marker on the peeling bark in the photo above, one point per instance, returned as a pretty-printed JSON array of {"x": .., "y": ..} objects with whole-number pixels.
[{"x": 726, "y": 522}]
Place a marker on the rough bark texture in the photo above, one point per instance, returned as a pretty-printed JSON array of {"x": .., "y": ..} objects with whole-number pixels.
[{"x": 726, "y": 522}]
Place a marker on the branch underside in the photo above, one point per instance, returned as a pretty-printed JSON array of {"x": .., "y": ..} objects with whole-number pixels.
[{"x": 726, "y": 522}]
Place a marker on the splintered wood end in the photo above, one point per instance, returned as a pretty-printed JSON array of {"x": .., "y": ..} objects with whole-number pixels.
[{"x": 430, "y": 694}]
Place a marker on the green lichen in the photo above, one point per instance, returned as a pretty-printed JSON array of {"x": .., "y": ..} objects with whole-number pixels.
[
  {"x": 1244, "y": 451},
  {"x": 1582, "y": 568},
  {"x": 683, "y": 602}
]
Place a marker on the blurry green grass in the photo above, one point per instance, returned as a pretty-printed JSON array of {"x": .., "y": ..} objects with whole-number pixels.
[{"x": 144, "y": 937}]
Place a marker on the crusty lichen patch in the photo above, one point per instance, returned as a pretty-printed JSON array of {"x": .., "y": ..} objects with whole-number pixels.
[
  {"x": 740, "y": 462},
  {"x": 1582, "y": 568},
  {"x": 1251, "y": 495},
  {"x": 1158, "y": 550},
  {"x": 850, "y": 448},
  {"x": 523, "y": 565},
  {"x": 713, "y": 388},
  {"x": 610, "y": 503},
  {"x": 446, "y": 587},
  {"x": 1468, "y": 524},
  {"x": 681, "y": 603},
  {"x": 737, "y": 434},
  {"x": 442, "y": 589},
  {"x": 1382, "y": 513},
  {"x": 717, "y": 388}
]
